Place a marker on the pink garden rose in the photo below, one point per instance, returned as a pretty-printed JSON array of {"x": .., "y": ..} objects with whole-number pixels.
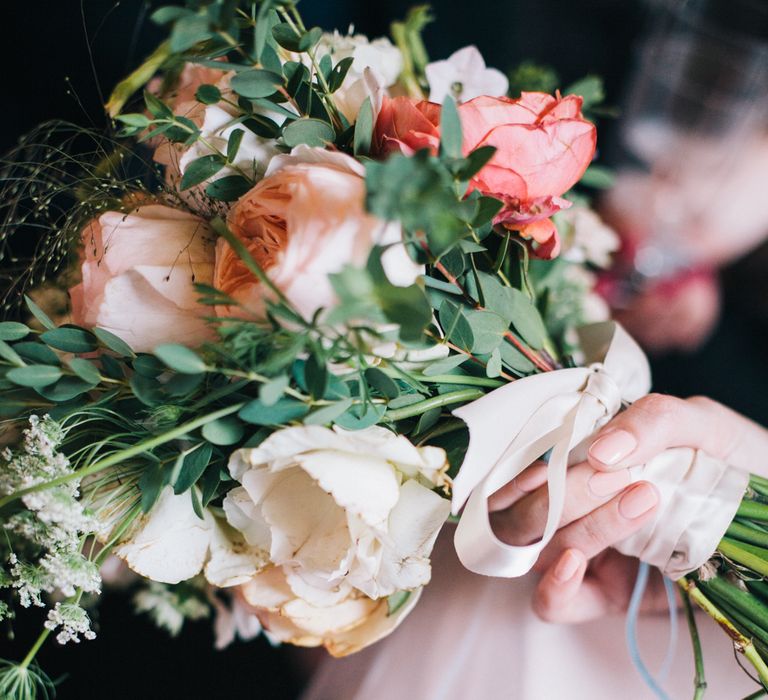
[
  {"x": 138, "y": 275},
  {"x": 305, "y": 220},
  {"x": 543, "y": 146}
]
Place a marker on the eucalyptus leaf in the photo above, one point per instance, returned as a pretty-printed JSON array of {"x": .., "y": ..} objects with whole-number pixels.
[
  {"x": 526, "y": 319},
  {"x": 201, "y": 169},
  {"x": 208, "y": 94},
  {"x": 188, "y": 31},
  {"x": 493, "y": 367},
  {"x": 193, "y": 464},
  {"x": 515, "y": 360},
  {"x": 328, "y": 414},
  {"x": 10, "y": 355},
  {"x": 256, "y": 83},
  {"x": 34, "y": 375},
  {"x": 282, "y": 411},
  {"x": 455, "y": 325},
  {"x": 150, "y": 485},
  {"x": 312, "y": 132},
  {"x": 39, "y": 314},
  {"x": 113, "y": 342},
  {"x": 12, "y": 330},
  {"x": 382, "y": 382},
  {"x": 361, "y": 416},
  {"x": 223, "y": 431},
  {"x": 70, "y": 339},
  {"x": 228, "y": 188},
  {"x": 364, "y": 129},
  {"x": 85, "y": 369},
  {"x": 445, "y": 365},
  {"x": 450, "y": 129},
  {"x": 37, "y": 353},
  {"x": 180, "y": 358},
  {"x": 65, "y": 389},
  {"x": 271, "y": 392}
]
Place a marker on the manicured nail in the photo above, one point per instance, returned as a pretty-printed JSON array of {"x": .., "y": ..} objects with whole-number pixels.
[
  {"x": 638, "y": 501},
  {"x": 567, "y": 566},
  {"x": 609, "y": 483},
  {"x": 613, "y": 446}
]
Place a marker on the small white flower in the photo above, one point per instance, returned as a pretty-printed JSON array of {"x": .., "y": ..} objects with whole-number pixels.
[
  {"x": 464, "y": 76},
  {"x": 73, "y": 621},
  {"x": 586, "y": 237}
]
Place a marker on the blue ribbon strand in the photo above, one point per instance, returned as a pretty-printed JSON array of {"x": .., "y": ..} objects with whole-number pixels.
[{"x": 633, "y": 614}]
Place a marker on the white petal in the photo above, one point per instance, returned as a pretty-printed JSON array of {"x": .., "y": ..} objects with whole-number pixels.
[
  {"x": 171, "y": 544},
  {"x": 232, "y": 561},
  {"x": 244, "y": 515},
  {"x": 413, "y": 527}
]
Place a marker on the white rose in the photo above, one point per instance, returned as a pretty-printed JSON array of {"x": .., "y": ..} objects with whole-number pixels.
[
  {"x": 464, "y": 76},
  {"x": 346, "y": 516},
  {"x": 376, "y": 66}
]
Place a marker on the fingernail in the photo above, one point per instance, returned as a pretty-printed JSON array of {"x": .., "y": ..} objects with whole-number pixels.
[
  {"x": 608, "y": 483},
  {"x": 613, "y": 446},
  {"x": 567, "y": 566},
  {"x": 638, "y": 501}
]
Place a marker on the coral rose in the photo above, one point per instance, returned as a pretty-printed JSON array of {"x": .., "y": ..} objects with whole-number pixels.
[
  {"x": 543, "y": 146},
  {"x": 302, "y": 222},
  {"x": 138, "y": 275}
]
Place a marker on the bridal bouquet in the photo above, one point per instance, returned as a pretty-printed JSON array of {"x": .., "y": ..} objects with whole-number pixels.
[{"x": 231, "y": 358}]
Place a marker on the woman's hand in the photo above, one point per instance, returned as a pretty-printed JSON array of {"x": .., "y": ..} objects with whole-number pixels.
[{"x": 602, "y": 508}]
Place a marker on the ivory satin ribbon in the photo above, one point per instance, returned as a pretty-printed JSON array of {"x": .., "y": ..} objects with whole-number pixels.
[{"x": 557, "y": 411}]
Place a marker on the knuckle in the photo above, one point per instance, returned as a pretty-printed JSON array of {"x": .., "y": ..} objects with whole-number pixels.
[
  {"x": 660, "y": 407},
  {"x": 592, "y": 533}
]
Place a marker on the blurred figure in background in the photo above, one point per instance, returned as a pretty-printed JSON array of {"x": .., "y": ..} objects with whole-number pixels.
[{"x": 692, "y": 167}]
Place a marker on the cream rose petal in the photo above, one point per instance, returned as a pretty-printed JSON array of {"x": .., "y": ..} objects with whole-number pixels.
[
  {"x": 244, "y": 515},
  {"x": 414, "y": 525},
  {"x": 232, "y": 561},
  {"x": 171, "y": 543}
]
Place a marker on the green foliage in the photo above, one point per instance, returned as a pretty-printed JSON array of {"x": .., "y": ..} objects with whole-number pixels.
[
  {"x": 180, "y": 358},
  {"x": 312, "y": 132},
  {"x": 532, "y": 77}
]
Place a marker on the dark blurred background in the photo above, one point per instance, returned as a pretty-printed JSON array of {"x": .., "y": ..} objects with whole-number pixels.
[{"x": 63, "y": 57}]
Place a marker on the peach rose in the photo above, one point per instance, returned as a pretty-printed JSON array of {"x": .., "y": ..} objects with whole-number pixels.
[
  {"x": 305, "y": 220},
  {"x": 543, "y": 146},
  {"x": 138, "y": 275}
]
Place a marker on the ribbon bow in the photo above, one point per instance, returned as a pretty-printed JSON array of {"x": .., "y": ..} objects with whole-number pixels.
[{"x": 516, "y": 424}]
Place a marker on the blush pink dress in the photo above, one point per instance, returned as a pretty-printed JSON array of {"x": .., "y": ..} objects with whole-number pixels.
[{"x": 472, "y": 637}]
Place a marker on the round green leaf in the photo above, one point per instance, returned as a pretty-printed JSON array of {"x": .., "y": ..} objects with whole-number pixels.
[
  {"x": 180, "y": 358},
  {"x": 312, "y": 132},
  {"x": 34, "y": 375},
  {"x": 224, "y": 431},
  {"x": 256, "y": 83},
  {"x": 208, "y": 94}
]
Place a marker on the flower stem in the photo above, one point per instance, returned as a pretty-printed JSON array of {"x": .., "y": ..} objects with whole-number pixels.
[
  {"x": 741, "y": 643},
  {"x": 35, "y": 648},
  {"x": 435, "y": 402},
  {"x": 756, "y": 558},
  {"x": 122, "y": 455},
  {"x": 699, "y": 679}
]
